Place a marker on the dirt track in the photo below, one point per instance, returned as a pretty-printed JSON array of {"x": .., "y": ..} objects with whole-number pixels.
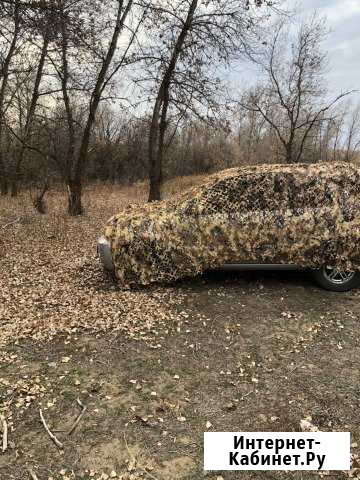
[{"x": 256, "y": 353}]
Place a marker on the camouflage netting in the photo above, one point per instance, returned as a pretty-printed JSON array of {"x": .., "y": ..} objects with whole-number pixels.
[{"x": 306, "y": 215}]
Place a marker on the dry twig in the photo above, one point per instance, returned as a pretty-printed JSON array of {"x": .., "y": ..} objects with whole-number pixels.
[
  {"x": 51, "y": 435},
  {"x": 32, "y": 474},
  {"x": 11, "y": 223},
  {"x": 77, "y": 421},
  {"x": 127, "y": 448},
  {"x": 246, "y": 395},
  {"x": 148, "y": 473},
  {"x": 4, "y": 433},
  {"x": 294, "y": 368}
]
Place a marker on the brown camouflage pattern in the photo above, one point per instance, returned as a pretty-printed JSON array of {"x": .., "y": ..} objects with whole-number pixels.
[{"x": 307, "y": 215}]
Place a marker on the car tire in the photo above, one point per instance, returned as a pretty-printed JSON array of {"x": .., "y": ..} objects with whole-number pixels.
[{"x": 335, "y": 280}]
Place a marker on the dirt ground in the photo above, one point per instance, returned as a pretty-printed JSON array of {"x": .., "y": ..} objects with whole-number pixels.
[{"x": 156, "y": 368}]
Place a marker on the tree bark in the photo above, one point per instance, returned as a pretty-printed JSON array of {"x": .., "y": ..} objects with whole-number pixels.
[
  {"x": 289, "y": 154},
  {"x": 155, "y": 166},
  {"x": 74, "y": 197}
]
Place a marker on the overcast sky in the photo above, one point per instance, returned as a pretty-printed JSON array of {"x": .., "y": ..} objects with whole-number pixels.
[
  {"x": 344, "y": 40},
  {"x": 343, "y": 43}
]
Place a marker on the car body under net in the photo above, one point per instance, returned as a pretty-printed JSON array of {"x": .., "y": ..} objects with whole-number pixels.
[{"x": 305, "y": 215}]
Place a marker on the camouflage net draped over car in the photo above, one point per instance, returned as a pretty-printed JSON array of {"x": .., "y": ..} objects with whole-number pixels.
[{"x": 307, "y": 215}]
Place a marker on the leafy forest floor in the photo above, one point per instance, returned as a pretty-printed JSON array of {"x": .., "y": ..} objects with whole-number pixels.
[{"x": 156, "y": 368}]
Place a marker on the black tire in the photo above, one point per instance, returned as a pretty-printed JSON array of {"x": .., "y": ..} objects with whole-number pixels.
[{"x": 342, "y": 281}]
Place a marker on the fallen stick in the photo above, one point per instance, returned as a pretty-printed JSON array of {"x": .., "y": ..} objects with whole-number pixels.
[
  {"x": 295, "y": 368},
  {"x": 51, "y": 435},
  {"x": 4, "y": 433},
  {"x": 32, "y": 474},
  {"x": 11, "y": 223},
  {"x": 148, "y": 473},
  {"x": 77, "y": 421},
  {"x": 246, "y": 395}
]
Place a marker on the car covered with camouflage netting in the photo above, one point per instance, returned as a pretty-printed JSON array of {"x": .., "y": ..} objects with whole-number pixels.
[{"x": 299, "y": 215}]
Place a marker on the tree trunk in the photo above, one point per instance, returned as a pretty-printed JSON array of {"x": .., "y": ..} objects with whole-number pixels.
[
  {"x": 156, "y": 180},
  {"x": 156, "y": 177},
  {"x": 4, "y": 184},
  {"x": 74, "y": 197},
  {"x": 289, "y": 153},
  {"x": 15, "y": 175},
  {"x": 155, "y": 165},
  {"x": 14, "y": 188}
]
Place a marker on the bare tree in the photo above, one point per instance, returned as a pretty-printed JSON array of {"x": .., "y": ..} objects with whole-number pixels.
[
  {"x": 159, "y": 117},
  {"x": 252, "y": 130},
  {"x": 192, "y": 39},
  {"x": 292, "y": 99},
  {"x": 353, "y": 134},
  {"x": 77, "y": 152}
]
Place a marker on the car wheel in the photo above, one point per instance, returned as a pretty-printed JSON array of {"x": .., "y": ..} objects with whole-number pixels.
[{"x": 337, "y": 280}]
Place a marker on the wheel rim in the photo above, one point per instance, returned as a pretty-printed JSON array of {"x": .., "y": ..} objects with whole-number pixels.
[{"x": 338, "y": 277}]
